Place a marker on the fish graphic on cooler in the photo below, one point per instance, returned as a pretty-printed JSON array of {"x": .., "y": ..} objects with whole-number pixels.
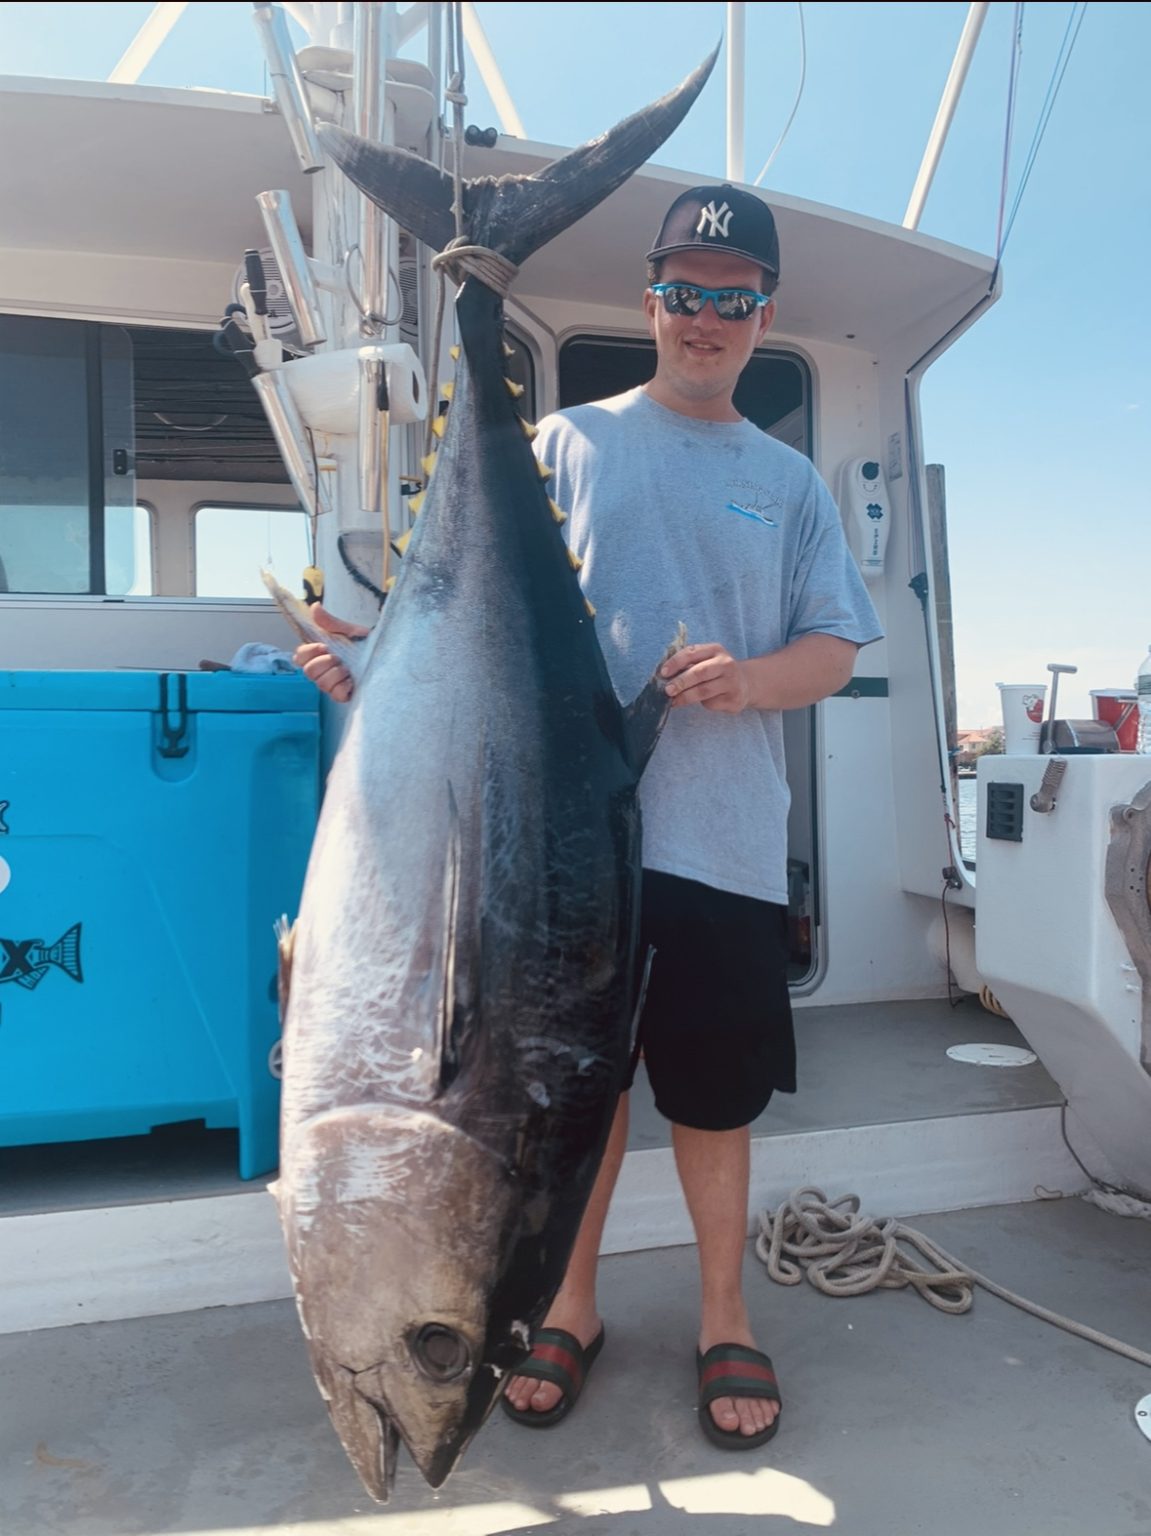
[{"x": 28, "y": 961}]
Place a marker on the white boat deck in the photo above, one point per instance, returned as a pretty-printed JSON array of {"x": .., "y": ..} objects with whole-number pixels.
[
  {"x": 98, "y": 1231},
  {"x": 865, "y": 1064},
  {"x": 897, "y": 1418}
]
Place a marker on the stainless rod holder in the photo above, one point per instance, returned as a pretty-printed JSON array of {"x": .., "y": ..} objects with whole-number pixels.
[
  {"x": 291, "y": 436},
  {"x": 288, "y": 84},
  {"x": 373, "y": 425},
  {"x": 368, "y": 98},
  {"x": 295, "y": 272},
  {"x": 373, "y": 446}
]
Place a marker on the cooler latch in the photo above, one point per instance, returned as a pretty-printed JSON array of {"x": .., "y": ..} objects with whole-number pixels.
[{"x": 174, "y": 720}]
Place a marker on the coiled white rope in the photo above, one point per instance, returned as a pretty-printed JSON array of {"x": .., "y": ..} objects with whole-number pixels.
[{"x": 846, "y": 1254}]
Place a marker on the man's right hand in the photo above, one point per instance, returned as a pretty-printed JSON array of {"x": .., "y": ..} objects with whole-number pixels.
[{"x": 317, "y": 662}]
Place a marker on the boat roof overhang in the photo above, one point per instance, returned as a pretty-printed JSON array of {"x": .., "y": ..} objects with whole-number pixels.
[
  {"x": 143, "y": 172},
  {"x": 847, "y": 279}
]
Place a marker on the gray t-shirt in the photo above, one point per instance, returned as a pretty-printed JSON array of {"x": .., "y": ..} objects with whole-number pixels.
[{"x": 719, "y": 525}]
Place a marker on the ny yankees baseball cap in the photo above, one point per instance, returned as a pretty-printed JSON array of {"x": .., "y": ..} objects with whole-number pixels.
[{"x": 720, "y": 219}]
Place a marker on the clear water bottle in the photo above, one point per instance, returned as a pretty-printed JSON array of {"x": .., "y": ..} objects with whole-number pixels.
[{"x": 1143, "y": 689}]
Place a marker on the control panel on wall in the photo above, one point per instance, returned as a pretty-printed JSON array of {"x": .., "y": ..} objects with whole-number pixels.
[{"x": 866, "y": 510}]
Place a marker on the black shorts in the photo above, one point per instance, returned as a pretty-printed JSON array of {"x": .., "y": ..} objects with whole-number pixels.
[{"x": 715, "y": 1031}]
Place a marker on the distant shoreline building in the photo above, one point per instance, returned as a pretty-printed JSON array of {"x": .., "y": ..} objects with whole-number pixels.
[{"x": 970, "y": 746}]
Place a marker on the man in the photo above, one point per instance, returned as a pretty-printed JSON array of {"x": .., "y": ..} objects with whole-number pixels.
[{"x": 681, "y": 509}]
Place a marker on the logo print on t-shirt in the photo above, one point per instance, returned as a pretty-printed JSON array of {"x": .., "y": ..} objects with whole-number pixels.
[{"x": 754, "y": 501}]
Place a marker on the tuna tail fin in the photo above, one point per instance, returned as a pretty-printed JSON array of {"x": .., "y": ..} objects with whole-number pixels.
[
  {"x": 514, "y": 215},
  {"x": 644, "y": 717},
  {"x": 65, "y": 953}
]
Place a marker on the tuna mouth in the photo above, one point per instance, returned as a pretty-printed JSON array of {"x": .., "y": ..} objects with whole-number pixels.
[
  {"x": 370, "y": 1429},
  {"x": 364, "y": 1425}
]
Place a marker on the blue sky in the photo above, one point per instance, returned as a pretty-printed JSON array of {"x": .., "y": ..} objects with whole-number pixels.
[{"x": 1040, "y": 412}]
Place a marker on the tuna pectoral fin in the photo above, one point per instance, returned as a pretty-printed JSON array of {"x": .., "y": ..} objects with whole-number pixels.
[
  {"x": 514, "y": 215},
  {"x": 350, "y": 652},
  {"x": 644, "y": 717}
]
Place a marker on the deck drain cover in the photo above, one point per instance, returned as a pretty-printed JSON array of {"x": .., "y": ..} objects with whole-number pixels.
[
  {"x": 992, "y": 1055},
  {"x": 1143, "y": 1415}
]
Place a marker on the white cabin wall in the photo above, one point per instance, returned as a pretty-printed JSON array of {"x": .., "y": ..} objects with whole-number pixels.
[
  {"x": 874, "y": 934},
  {"x": 105, "y": 633},
  {"x": 923, "y": 844},
  {"x": 142, "y": 290}
]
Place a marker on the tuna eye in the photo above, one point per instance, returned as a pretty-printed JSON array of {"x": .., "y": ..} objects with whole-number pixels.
[{"x": 441, "y": 1353}]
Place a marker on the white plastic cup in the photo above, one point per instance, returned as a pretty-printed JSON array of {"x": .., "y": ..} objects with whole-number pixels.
[{"x": 1022, "y": 705}]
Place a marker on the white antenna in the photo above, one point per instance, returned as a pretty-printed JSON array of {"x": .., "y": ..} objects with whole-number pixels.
[
  {"x": 976, "y": 16},
  {"x": 146, "y": 44},
  {"x": 476, "y": 38},
  {"x": 736, "y": 34}
]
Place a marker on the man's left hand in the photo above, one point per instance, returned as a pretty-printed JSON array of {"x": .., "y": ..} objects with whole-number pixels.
[{"x": 707, "y": 675}]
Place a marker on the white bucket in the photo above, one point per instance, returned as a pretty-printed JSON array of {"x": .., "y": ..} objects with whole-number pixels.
[{"x": 1022, "y": 705}]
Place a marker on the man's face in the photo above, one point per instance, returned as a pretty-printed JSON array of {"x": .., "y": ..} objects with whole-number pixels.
[{"x": 701, "y": 356}]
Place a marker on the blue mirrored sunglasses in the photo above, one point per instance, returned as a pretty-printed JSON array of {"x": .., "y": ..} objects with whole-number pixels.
[{"x": 730, "y": 303}]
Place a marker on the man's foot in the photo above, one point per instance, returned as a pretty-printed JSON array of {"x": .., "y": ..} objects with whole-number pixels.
[
  {"x": 557, "y": 1360},
  {"x": 749, "y": 1416},
  {"x": 745, "y": 1378},
  {"x": 524, "y": 1394}
]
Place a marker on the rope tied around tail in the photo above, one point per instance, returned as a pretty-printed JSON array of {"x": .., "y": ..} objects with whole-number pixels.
[{"x": 459, "y": 259}]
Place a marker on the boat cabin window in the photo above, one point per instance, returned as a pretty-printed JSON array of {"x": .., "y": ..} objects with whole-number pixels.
[
  {"x": 521, "y": 369},
  {"x": 65, "y": 457},
  {"x": 233, "y": 543},
  {"x": 90, "y": 413},
  {"x": 775, "y": 393},
  {"x": 774, "y": 390}
]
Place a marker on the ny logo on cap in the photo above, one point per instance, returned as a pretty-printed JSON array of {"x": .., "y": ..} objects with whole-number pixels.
[{"x": 716, "y": 218}]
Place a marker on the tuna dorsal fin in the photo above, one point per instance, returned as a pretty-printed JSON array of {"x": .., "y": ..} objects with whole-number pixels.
[
  {"x": 644, "y": 717},
  {"x": 514, "y": 215}
]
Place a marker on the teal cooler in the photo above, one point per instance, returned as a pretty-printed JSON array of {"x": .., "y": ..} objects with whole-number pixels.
[{"x": 153, "y": 828}]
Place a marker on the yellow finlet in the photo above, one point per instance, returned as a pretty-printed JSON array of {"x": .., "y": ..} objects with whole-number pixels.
[
  {"x": 454, "y": 354},
  {"x": 447, "y": 390},
  {"x": 574, "y": 560},
  {"x": 313, "y": 579},
  {"x": 415, "y": 504},
  {"x": 438, "y": 426},
  {"x": 590, "y": 609},
  {"x": 509, "y": 351},
  {"x": 400, "y": 545},
  {"x": 558, "y": 513},
  {"x": 530, "y": 432},
  {"x": 389, "y": 584},
  {"x": 514, "y": 389},
  {"x": 544, "y": 469},
  {"x": 428, "y": 463}
]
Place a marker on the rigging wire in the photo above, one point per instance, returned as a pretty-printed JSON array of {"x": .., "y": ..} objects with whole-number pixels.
[
  {"x": 798, "y": 96},
  {"x": 1009, "y": 125},
  {"x": 1062, "y": 60}
]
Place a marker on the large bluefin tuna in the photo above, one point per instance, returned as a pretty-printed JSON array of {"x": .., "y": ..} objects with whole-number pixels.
[{"x": 462, "y": 971}]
